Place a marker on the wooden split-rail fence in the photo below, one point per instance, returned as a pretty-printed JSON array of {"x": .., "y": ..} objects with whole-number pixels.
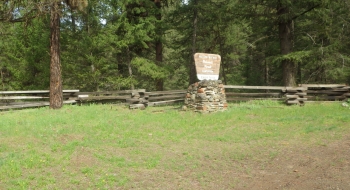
[
  {"x": 31, "y": 98},
  {"x": 140, "y": 98},
  {"x": 291, "y": 95}
]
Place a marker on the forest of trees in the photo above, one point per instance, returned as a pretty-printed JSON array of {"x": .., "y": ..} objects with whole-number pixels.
[{"x": 95, "y": 45}]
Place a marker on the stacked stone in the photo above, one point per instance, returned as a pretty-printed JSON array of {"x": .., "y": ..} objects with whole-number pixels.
[{"x": 206, "y": 96}]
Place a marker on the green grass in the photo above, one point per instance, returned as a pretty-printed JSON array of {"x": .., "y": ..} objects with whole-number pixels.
[{"x": 110, "y": 147}]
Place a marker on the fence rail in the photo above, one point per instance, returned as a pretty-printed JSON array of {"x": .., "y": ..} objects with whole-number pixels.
[
  {"x": 31, "y": 98},
  {"x": 140, "y": 98}
]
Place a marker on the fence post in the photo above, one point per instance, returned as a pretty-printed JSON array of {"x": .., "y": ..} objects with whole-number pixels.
[
  {"x": 138, "y": 100},
  {"x": 295, "y": 95}
]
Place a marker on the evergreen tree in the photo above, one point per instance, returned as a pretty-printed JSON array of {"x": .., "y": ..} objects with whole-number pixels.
[
  {"x": 206, "y": 26},
  {"x": 56, "y": 93},
  {"x": 116, "y": 44},
  {"x": 288, "y": 18}
]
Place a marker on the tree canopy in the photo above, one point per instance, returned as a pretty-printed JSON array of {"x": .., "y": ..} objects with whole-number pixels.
[{"x": 123, "y": 44}]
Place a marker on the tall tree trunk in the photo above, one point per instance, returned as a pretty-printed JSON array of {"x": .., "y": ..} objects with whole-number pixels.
[
  {"x": 266, "y": 77},
  {"x": 2, "y": 79},
  {"x": 267, "y": 82},
  {"x": 56, "y": 94},
  {"x": 132, "y": 87},
  {"x": 222, "y": 59},
  {"x": 193, "y": 73},
  {"x": 299, "y": 74},
  {"x": 285, "y": 29},
  {"x": 73, "y": 21},
  {"x": 159, "y": 45}
]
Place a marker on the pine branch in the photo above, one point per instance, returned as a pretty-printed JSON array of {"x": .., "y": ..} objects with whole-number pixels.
[
  {"x": 306, "y": 11},
  {"x": 32, "y": 14}
]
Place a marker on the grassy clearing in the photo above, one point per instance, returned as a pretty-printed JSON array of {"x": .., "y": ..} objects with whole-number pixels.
[{"x": 111, "y": 147}]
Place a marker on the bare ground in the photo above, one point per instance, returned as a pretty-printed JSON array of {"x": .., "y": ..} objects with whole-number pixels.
[
  {"x": 325, "y": 166},
  {"x": 321, "y": 167}
]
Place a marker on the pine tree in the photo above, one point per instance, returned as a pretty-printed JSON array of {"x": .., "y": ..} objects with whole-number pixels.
[{"x": 56, "y": 93}]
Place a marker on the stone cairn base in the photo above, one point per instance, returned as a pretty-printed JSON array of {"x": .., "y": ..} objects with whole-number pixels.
[{"x": 206, "y": 96}]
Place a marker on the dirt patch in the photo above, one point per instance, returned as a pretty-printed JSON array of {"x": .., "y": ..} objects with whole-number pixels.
[
  {"x": 294, "y": 167},
  {"x": 320, "y": 167},
  {"x": 82, "y": 157},
  {"x": 66, "y": 138}
]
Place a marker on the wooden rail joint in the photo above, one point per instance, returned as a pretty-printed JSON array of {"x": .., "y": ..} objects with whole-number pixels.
[{"x": 295, "y": 95}]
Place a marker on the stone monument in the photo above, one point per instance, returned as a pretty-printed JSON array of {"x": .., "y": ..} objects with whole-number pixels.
[{"x": 207, "y": 95}]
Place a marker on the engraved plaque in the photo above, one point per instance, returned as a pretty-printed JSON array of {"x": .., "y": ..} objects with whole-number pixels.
[{"x": 207, "y": 66}]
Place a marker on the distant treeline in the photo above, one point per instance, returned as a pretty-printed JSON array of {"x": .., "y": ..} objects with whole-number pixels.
[{"x": 124, "y": 44}]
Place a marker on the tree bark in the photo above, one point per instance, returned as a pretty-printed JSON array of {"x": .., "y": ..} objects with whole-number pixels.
[
  {"x": 56, "y": 94},
  {"x": 285, "y": 28},
  {"x": 193, "y": 73},
  {"x": 2, "y": 79},
  {"x": 73, "y": 21},
  {"x": 222, "y": 59},
  {"x": 132, "y": 87},
  {"x": 159, "y": 45},
  {"x": 299, "y": 74},
  {"x": 266, "y": 69}
]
